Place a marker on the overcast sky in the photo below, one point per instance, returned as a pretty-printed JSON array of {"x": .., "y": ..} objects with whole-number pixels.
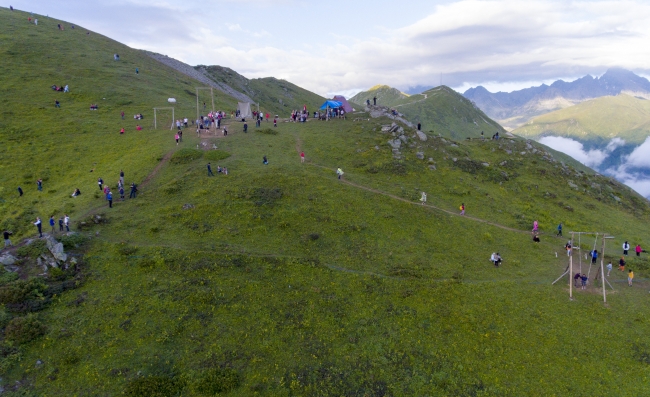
[{"x": 343, "y": 47}]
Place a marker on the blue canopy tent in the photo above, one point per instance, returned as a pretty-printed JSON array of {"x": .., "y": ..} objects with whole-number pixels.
[{"x": 331, "y": 104}]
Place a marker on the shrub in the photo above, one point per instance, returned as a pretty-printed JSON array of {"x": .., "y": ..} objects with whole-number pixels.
[
  {"x": 73, "y": 241},
  {"x": 21, "y": 290},
  {"x": 218, "y": 380},
  {"x": 216, "y": 155},
  {"x": 154, "y": 386},
  {"x": 185, "y": 156},
  {"x": 32, "y": 250},
  {"x": 7, "y": 277},
  {"x": 24, "y": 329}
]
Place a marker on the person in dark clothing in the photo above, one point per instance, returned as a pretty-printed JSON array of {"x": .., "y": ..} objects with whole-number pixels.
[
  {"x": 535, "y": 238},
  {"x": 374, "y": 101},
  {"x": 56, "y": 103},
  {"x": 559, "y": 230},
  {"x": 210, "y": 170},
  {"x": 594, "y": 256},
  {"x": 134, "y": 190},
  {"x": 576, "y": 278},
  {"x": 265, "y": 161},
  {"x": 52, "y": 223},
  {"x": 584, "y": 279},
  {"x": 60, "y": 224},
  {"x": 39, "y": 226},
  {"x": 245, "y": 127},
  {"x": 122, "y": 177},
  {"x": 122, "y": 114},
  {"x": 39, "y": 185},
  {"x": 109, "y": 197},
  {"x": 419, "y": 127},
  {"x": 121, "y": 192},
  {"x": 6, "y": 235},
  {"x": 20, "y": 191}
]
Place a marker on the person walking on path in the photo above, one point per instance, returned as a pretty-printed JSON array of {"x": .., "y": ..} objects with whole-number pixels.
[
  {"x": 177, "y": 138},
  {"x": 66, "y": 222},
  {"x": 559, "y": 230},
  {"x": 6, "y": 235},
  {"x": 339, "y": 173},
  {"x": 630, "y": 277},
  {"x": 626, "y": 248},
  {"x": 535, "y": 226},
  {"x": 609, "y": 268},
  {"x": 423, "y": 198},
  {"x": 61, "y": 224},
  {"x": 302, "y": 157},
  {"x": 121, "y": 177},
  {"x": 39, "y": 185},
  {"x": 584, "y": 279},
  {"x": 109, "y": 197},
  {"x": 210, "y": 170},
  {"x": 20, "y": 191},
  {"x": 462, "y": 209},
  {"x": 39, "y": 226},
  {"x": 638, "y": 250},
  {"x": 134, "y": 190}
]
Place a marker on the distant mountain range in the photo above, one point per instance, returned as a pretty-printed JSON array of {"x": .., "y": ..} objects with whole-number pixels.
[{"x": 515, "y": 108}]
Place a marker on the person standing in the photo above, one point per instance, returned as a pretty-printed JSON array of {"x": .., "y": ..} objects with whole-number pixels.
[
  {"x": 122, "y": 114},
  {"x": 39, "y": 226},
  {"x": 423, "y": 198},
  {"x": 66, "y": 222},
  {"x": 638, "y": 250},
  {"x": 134, "y": 190},
  {"x": 122, "y": 177},
  {"x": 535, "y": 226},
  {"x": 61, "y": 224},
  {"x": 568, "y": 248},
  {"x": 621, "y": 264},
  {"x": 584, "y": 279},
  {"x": 39, "y": 185},
  {"x": 302, "y": 157},
  {"x": 275, "y": 122},
  {"x": 109, "y": 197},
  {"x": 419, "y": 127},
  {"x": 245, "y": 127},
  {"x": 374, "y": 101},
  {"x": 576, "y": 278},
  {"x": 57, "y": 104},
  {"x": 339, "y": 173},
  {"x": 594, "y": 256},
  {"x": 210, "y": 170},
  {"x": 20, "y": 191},
  {"x": 630, "y": 277},
  {"x": 6, "y": 235},
  {"x": 121, "y": 192},
  {"x": 137, "y": 71},
  {"x": 609, "y": 268},
  {"x": 176, "y": 137},
  {"x": 559, "y": 230},
  {"x": 626, "y": 248},
  {"x": 462, "y": 209},
  {"x": 100, "y": 182},
  {"x": 265, "y": 161}
]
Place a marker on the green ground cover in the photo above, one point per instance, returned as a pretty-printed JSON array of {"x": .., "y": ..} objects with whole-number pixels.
[{"x": 281, "y": 280}]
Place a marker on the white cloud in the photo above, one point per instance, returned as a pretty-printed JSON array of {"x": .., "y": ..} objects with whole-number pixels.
[
  {"x": 575, "y": 149},
  {"x": 640, "y": 157}
]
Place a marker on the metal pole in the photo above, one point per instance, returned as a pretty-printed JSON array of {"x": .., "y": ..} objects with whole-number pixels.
[{"x": 173, "y": 119}]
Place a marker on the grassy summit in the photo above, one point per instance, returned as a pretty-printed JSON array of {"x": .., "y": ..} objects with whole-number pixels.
[{"x": 279, "y": 279}]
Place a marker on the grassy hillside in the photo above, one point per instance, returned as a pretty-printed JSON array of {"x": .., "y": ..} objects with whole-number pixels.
[
  {"x": 274, "y": 95},
  {"x": 280, "y": 279},
  {"x": 598, "y": 120},
  {"x": 386, "y": 96}
]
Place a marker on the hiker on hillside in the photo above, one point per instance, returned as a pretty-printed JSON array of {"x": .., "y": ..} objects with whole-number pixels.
[
  {"x": 57, "y": 104},
  {"x": 210, "y": 170},
  {"x": 275, "y": 121},
  {"x": 374, "y": 101},
  {"x": 20, "y": 191},
  {"x": 559, "y": 230},
  {"x": 66, "y": 88},
  {"x": 134, "y": 190},
  {"x": 138, "y": 128},
  {"x": 496, "y": 259},
  {"x": 568, "y": 248},
  {"x": 109, "y": 198},
  {"x": 121, "y": 192},
  {"x": 100, "y": 183},
  {"x": 621, "y": 264},
  {"x": 462, "y": 209},
  {"x": 6, "y": 235},
  {"x": 225, "y": 130},
  {"x": 39, "y": 185},
  {"x": 122, "y": 131},
  {"x": 419, "y": 127},
  {"x": 626, "y": 248},
  {"x": 302, "y": 157},
  {"x": 630, "y": 277},
  {"x": 339, "y": 173},
  {"x": 423, "y": 198},
  {"x": 66, "y": 222},
  {"x": 265, "y": 161},
  {"x": 76, "y": 192},
  {"x": 39, "y": 226},
  {"x": 52, "y": 223},
  {"x": 137, "y": 71},
  {"x": 609, "y": 268},
  {"x": 180, "y": 135},
  {"x": 638, "y": 250}
]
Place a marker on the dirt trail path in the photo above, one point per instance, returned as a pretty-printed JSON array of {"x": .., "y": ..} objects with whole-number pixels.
[{"x": 157, "y": 168}]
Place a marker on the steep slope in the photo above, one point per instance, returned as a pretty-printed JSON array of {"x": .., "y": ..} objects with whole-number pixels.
[
  {"x": 273, "y": 95},
  {"x": 281, "y": 279},
  {"x": 386, "y": 96},
  {"x": 516, "y": 108}
]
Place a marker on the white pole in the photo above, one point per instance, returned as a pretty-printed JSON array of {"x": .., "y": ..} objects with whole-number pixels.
[
  {"x": 571, "y": 269},
  {"x": 602, "y": 270},
  {"x": 155, "y": 125}
]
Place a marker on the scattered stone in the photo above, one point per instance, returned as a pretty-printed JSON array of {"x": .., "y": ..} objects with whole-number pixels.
[
  {"x": 508, "y": 151},
  {"x": 7, "y": 260},
  {"x": 56, "y": 248},
  {"x": 523, "y": 153},
  {"x": 187, "y": 206},
  {"x": 73, "y": 261},
  {"x": 618, "y": 199},
  {"x": 528, "y": 146},
  {"x": 420, "y": 155},
  {"x": 485, "y": 164},
  {"x": 431, "y": 159},
  {"x": 453, "y": 145},
  {"x": 503, "y": 163},
  {"x": 432, "y": 167},
  {"x": 422, "y": 136},
  {"x": 376, "y": 147},
  {"x": 39, "y": 362},
  {"x": 395, "y": 143},
  {"x": 573, "y": 185},
  {"x": 403, "y": 138},
  {"x": 454, "y": 159}
]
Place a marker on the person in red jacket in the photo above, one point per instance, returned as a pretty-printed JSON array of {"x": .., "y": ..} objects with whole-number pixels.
[
  {"x": 122, "y": 131},
  {"x": 138, "y": 128},
  {"x": 638, "y": 250}
]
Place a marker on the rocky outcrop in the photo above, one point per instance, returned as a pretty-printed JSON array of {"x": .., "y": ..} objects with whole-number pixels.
[
  {"x": 199, "y": 75},
  {"x": 7, "y": 260},
  {"x": 56, "y": 249}
]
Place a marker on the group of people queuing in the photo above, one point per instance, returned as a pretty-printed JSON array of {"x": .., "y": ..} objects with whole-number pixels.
[
  {"x": 64, "y": 222},
  {"x": 108, "y": 194}
]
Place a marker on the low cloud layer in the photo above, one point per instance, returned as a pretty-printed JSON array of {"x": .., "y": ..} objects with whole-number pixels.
[
  {"x": 504, "y": 43},
  {"x": 591, "y": 158}
]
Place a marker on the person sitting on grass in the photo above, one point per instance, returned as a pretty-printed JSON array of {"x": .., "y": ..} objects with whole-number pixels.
[
  {"x": 535, "y": 238},
  {"x": 122, "y": 131},
  {"x": 138, "y": 128},
  {"x": 496, "y": 259},
  {"x": 76, "y": 193}
]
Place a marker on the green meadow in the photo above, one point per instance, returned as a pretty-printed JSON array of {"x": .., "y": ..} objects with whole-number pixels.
[{"x": 280, "y": 279}]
